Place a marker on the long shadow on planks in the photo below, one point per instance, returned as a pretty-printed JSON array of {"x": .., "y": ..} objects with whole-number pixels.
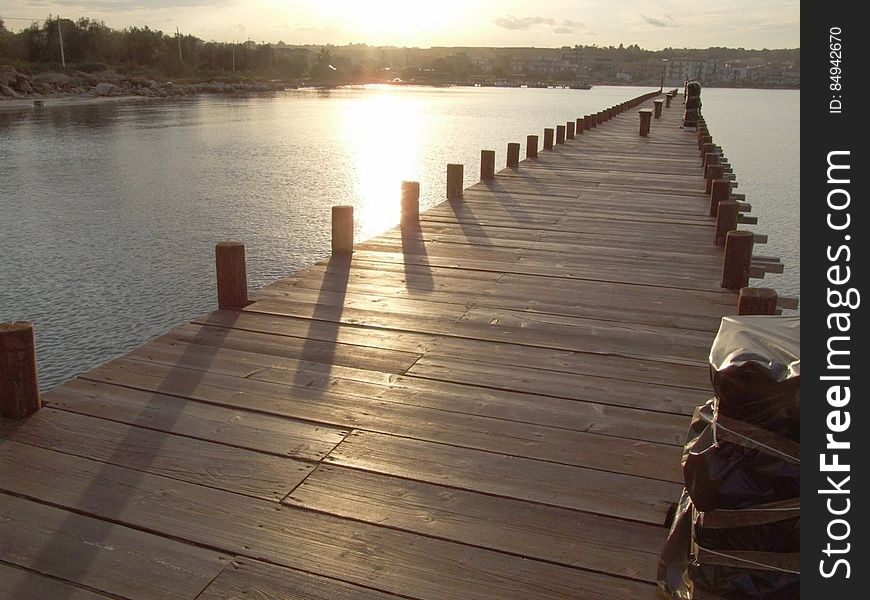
[{"x": 413, "y": 243}]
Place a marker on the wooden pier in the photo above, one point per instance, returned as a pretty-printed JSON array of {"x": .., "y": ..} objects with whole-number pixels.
[{"x": 487, "y": 402}]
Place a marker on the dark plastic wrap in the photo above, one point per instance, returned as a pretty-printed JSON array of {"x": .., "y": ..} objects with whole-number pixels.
[
  {"x": 735, "y": 583},
  {"x": 755, "y": 367},
  {"x": 677, "y": 553},
  {"x": 778, "y": 536},
  {"x": 730, "y": 465}
]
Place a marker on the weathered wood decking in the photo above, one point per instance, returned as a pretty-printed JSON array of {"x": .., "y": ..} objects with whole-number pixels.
[{"x": 491, "y": 405}]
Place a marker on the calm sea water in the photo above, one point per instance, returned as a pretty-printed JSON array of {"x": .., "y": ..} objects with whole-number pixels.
[{"x": 110, "y": 211}]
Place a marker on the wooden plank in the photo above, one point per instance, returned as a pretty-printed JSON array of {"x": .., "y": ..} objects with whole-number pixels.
[
  {"x": 588, "y": 490},
  {"x": 246, "y": 578},
  {"x": 240, "y": 471},
  {"x": 555, "y": 535},
  {"x": 99, "y": 555},
  {"x": 20, "y": 584},
  {"x": 359, "y": 553},
  {"x": 544, "y": 443},
  {"x": 171, "y": 414}
]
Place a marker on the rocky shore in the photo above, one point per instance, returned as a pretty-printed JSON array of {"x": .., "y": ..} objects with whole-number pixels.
[{"x": 17, "y": 85}]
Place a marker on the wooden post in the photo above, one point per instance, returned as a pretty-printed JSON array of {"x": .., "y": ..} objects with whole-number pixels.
[
  {"x": 342, "y": 230},
  {"x": 645, "y": 117},
  {"x": 756, "y": 301},
  {"x": 707, "y": 148},
  {"x": 569, "y": 131},
  {"x": 738, "y": 257},
  {"x": 578, "y": 130},
  {"x": 658, "y": 108},
  {"x": 513, "y": 155},
  {"x": 560, "y": 134},
  {"x": 455, "y": 175},
  {"x": 726, "y": 220},
  {"x": 720, "y": 192},
  {"x": 710, "y": 158},
  {"x": 548, "y": 138},
  {"x": 487, "y": 164},
  {"x": 531, "y": 146},
  {"x": 593, "y": 121},
  {"x": 232, "y": 277},
  {"x": 19, "y": 386},
  {"x": 713, "y": 172},
  {"x": 668, "y": 101},
  {"x": 410, "y": 202}
]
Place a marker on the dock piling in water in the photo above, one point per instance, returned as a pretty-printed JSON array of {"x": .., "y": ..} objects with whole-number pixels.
[
  {"x": 19, "y": 386},
  {"x": 756, "y": 301},
  {"x": 569, "y": 131},
  {"x": 720, "y": 192},
  {"x": 513, "y": 155},
  {"x": 455, "y": 175},
  {"x": 410, "y": 202},
  {"x": 726, "y": 220},
  {"x": 232, "y": 277},
  {"x": 738, "y": 259},
  {"x": 548, "y": 138},
  {"x": 342, "y": 230},
  {"x": 531, "y": 146},
  {"x": 487, "y": 164},
  {"x": 560, "y": 134}
]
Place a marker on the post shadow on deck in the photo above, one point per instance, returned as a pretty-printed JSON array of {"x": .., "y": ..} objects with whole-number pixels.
[{"x": 418, "y": 276}]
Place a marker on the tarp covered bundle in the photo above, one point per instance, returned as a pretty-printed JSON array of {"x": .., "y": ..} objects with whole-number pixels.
[{"x": 736, "y": 530}]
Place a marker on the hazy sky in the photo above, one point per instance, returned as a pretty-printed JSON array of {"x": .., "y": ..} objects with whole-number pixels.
[{"x": 652, "y": 24}]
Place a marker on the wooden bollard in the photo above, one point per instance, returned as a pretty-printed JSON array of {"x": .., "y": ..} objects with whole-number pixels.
[
  {"x": 19, "y": 386},
  {"x": 455, "y": 175},
  {"x": 756, "y": 301},
  {"x": 513, "y": 155},
  {"x": 593, "y": 122},
  {"x": 531, "y": 146},
  {"x": 738, "y": 258},
  {"x": 232, "y": 276},
  {"x": 713, "y": 172},
  {"x": 707, "y": 148},
  {"x": 487, "y": 164},
  {"x": 548, "y": 138},
  {"x": 560, "y": 134},
  {"x": 726, "y": 220},
  {"x": 410, "y": 202},
  {"x": 668, "y": 101},
  {"x": 720, "y": 192},
  {"x": 710, "y": 158},
  {"x": 645, "y": 118},
  {"x": 658, "y": 108},
  {"x": 342, "y": 230},
  {"x": 569, "y": 130},
  {"x": 578, "y": 130}
]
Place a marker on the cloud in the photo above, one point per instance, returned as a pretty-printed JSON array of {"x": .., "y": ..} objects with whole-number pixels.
[
  {"x": 569, "y": 23},
  {"x": 668, "y": 21},
  {"x": 513, "y": 23},
  {"x": 563, "y": 30}
]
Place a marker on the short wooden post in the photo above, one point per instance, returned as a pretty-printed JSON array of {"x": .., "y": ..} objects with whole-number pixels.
[
  {"x": 19, "y": 386},
  {"x": 726, "y": 220},
  {"x": 710, "y": 158},
  {"x": 645, "y": 118},
  {"x": 720, "y": 192},
  {"x": 410, "y": 202},
  {"x": 668, "y": 101},
  {"x": 707, "y": 148},
  {"x": 569, "y": 130},
  {"x": 713, "y": 172},
  {"x": 487, "y": 164},
  {"x": 342, "y": 230},
  {"x": 560, "y": 134},
  {"x": 513, "y": 155},
  {"x": 531, "y": 146},
  {"x": 593, "y": 121},
  {"x": 658, "y": 108},
  {"x": 455, "y": 175},
  {"x": 232, "y": 277},
  {"x": 756, "y": 301},
  {"x": 578, "y": 130},
  {"x": 705, "y": 139},
  {"x": 738, "y": 257},
  {"x": 548, "y": 138}
]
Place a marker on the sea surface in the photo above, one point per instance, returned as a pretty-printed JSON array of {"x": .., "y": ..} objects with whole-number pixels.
[{"x": 109, "y": 212}]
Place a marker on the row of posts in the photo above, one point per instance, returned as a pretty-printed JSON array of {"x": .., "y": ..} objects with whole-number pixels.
[{"x": 19, "y": 391}]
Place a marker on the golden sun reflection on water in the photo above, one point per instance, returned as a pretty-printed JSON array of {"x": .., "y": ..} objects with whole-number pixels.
[{"x": 384, "y": 143}]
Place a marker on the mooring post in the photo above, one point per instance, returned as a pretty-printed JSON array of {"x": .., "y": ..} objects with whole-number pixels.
[
  {"x": 548, "y": 138},
  {"x": 645, "y": 118},
  {"x": 342, "y": 230},
  {"x": 560, "y": 134},
  {"x": 19, "y": 386},
  {"x": 711, "y": 158},
  {"x": 531, "y": 146},
  {"x": 707, "y": 148},
  {"x": 232, "y": 276},
  {"x": 668, "y": 101},
  {"x": 726, "y": 220},
  {"x": 487, "y": 164},
  {"x": 455, "y": 175},
  {"x": 513, "y": 155},
  {"x": 756, "y": 301},
  {"x": 712, "y": 173},
  {"x": 738, "y": 258},
  {"x": 578, "y": 130},
  {"x": 658, "y": 108},
  {"x": 410, "y": 202},
  {"x": 569, "y": 130},
  {"x": 593, "y": 122},
  {"x": 720, "y": 192}
]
